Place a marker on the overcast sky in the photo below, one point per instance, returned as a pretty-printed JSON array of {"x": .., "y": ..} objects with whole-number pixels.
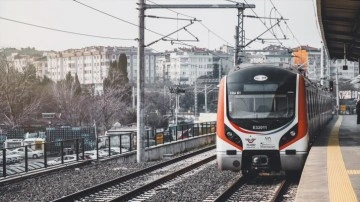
[{"x": 217, "y": 26}]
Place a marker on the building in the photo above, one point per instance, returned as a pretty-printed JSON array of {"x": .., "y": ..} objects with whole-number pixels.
[
  {"x": 92, "y": 64},
  {"x": 20, "y": 61},
  {"x": 350, "y": 73},
  {"x": 41, "y": 66},
  {"x": 309, "y": 58},
  {"x": 186, "y": 65}
]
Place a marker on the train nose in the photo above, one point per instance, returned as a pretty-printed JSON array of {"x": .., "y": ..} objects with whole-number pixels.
[
  {"x": 256, "y": 160},
  {"x": 260, "y": 160}
]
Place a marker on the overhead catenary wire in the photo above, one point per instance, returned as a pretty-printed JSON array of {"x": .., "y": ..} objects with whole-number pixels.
[
  {"x": 105, "y": 13},
  {"x": 279, "y": 42},
  {"x": 257, "y": 16},
  {"x": 285, "y": 23},
  {"x": 178, "y": 13},
  {"x": 281, "y": 17},
  {"x": 126, "y": 21},
  {"x": 208, "y": 29},
  {"x": 65, "y": 31},
  {"x": 179, "y": 42}
]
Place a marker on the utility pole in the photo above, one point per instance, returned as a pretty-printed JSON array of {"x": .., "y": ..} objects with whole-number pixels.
[
  {"x": 239, "y": 32},
  {"x": 195, "y": 96},
  {"x": 322, "y": 65},
  {"x": 133, "y": 97},
  {"x": 176, "y": 91},
  {"x": 140, "y": 136},
  {"x": 239, "y": 38},
  {"x": 205, "y": 99},
  {"x": 220, "y": 68}
]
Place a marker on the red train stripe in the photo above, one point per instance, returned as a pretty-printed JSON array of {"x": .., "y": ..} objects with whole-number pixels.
[
  {"x": 220, "y": 124},
  {"x": 302, "y": 110}
]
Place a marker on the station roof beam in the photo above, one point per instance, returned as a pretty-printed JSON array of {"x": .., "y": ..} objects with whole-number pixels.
[{"x": 340, "y": 25}]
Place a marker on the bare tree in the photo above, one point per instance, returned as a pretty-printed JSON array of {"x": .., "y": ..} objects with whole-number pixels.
[
  {"x": 110, "y": 106},
  {"x": 70, "y": 102},
  {"x": 155, "y": 108},
  {"x": 19, "y": 100}
]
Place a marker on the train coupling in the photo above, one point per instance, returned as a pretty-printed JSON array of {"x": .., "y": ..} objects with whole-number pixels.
[{"x": 260, "y": 161}]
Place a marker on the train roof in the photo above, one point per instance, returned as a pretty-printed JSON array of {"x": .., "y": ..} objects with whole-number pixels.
[
  {"x": 273, "y": 65},
  {"x": 278, "y": 66}
]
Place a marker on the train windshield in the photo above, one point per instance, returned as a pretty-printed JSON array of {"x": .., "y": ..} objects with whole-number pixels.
[{"x": 259, "y": 101}]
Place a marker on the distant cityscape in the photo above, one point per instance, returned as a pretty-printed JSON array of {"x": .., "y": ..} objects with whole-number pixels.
[{"x": 178, "y": 66}]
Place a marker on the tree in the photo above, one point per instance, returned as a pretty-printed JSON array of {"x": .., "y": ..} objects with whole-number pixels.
[
  {"x": 71, "y": 103},
  {"x": 215, "y": 72},
  {"x": 113, "y": 104},
  {"x": 19, "y": 101},
  {"x": 109, "y": 108},
  {"x": 77, "y": 86},
  {"x": 117, "y": 73},
  {"x": 123, "y": 68}
]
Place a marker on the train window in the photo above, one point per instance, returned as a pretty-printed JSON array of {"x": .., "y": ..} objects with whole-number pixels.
[
  {"x": 262, "y": 106},
  {"x": 260, "y": 87},
  {"x": 250, "y": 100}
]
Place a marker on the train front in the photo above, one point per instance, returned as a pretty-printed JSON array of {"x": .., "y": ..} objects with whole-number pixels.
[{"x": 258, "y": 120}]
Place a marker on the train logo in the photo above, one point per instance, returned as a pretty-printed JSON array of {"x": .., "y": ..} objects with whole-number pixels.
[
  {"x": 250, "y": 140},
  {"x": 260, "y": 78}
]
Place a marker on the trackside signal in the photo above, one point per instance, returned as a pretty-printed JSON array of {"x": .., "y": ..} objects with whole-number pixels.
[{"x": 331, "y": 86}]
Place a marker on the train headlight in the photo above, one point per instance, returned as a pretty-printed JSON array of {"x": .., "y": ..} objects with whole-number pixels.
[
  {"x": 292, "y": 133},
  {"x": 230, "y": 134},
  {"x": 233, "y": 137}
]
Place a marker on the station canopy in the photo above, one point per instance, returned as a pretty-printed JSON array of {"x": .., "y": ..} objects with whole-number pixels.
[{"x": 339, "y": 22}]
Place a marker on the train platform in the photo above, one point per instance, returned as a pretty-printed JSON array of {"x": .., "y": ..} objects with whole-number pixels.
[{"x": 332, "y": 169}]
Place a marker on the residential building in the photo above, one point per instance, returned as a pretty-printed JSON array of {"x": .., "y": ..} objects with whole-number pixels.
[
  {"x": 91, "y": 64},
  {"x": 20, "y": 61},
  {"x": 41, "y": 65},
  {"x": 187, "y": 64}
]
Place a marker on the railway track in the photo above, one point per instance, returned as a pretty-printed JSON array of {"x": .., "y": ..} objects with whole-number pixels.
[
  {"x": 252, "y": 188},
  {"x": 141, "y": 183}
]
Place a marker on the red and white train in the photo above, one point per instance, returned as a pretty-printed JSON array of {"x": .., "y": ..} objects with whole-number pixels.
[{"x": 267, "y": 119}]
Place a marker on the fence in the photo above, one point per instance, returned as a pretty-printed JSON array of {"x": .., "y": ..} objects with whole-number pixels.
[{"x": 31, "y": 157}]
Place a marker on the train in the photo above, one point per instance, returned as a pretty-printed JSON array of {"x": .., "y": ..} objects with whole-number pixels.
[{"x": 267, "y": 118}]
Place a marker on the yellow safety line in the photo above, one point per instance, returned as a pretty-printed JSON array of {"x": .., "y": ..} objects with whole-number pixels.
[
  {"x": 340, "y": 188},
  {"x": 353, "y": 172}
]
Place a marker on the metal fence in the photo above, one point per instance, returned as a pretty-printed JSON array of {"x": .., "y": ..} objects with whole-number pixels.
[{"x": 51, "y": 153}]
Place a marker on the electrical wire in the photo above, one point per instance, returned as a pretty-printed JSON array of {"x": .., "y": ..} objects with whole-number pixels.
[
  {"x": 208, "y": 29},
  {"x": 265, "y": 24},
  {"x": 174, "y": 11},
  {"x": 270, "y": 16},
  {"x": 64, "y": 31},
  {"x": 118, "y": 18},
  {"x": 179, "y": 42},
  {"x": 285, "y": 23},
  {"x": 281, "y": 17},
  {"x": 214, "y": 33}
]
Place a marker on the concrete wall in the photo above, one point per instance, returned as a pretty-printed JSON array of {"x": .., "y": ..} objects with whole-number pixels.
[{"x": 159, "y": 151}]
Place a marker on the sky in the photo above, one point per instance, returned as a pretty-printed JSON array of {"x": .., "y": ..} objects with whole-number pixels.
[{"x": 118, "y": 20}]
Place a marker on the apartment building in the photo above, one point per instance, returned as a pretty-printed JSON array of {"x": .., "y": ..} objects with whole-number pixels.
[
  {"x": 20, "y": 61},
  {"x": 41, "y": 65},
  {"x": 188, "y": 64},
  {"x": 92, "y": 64}
]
